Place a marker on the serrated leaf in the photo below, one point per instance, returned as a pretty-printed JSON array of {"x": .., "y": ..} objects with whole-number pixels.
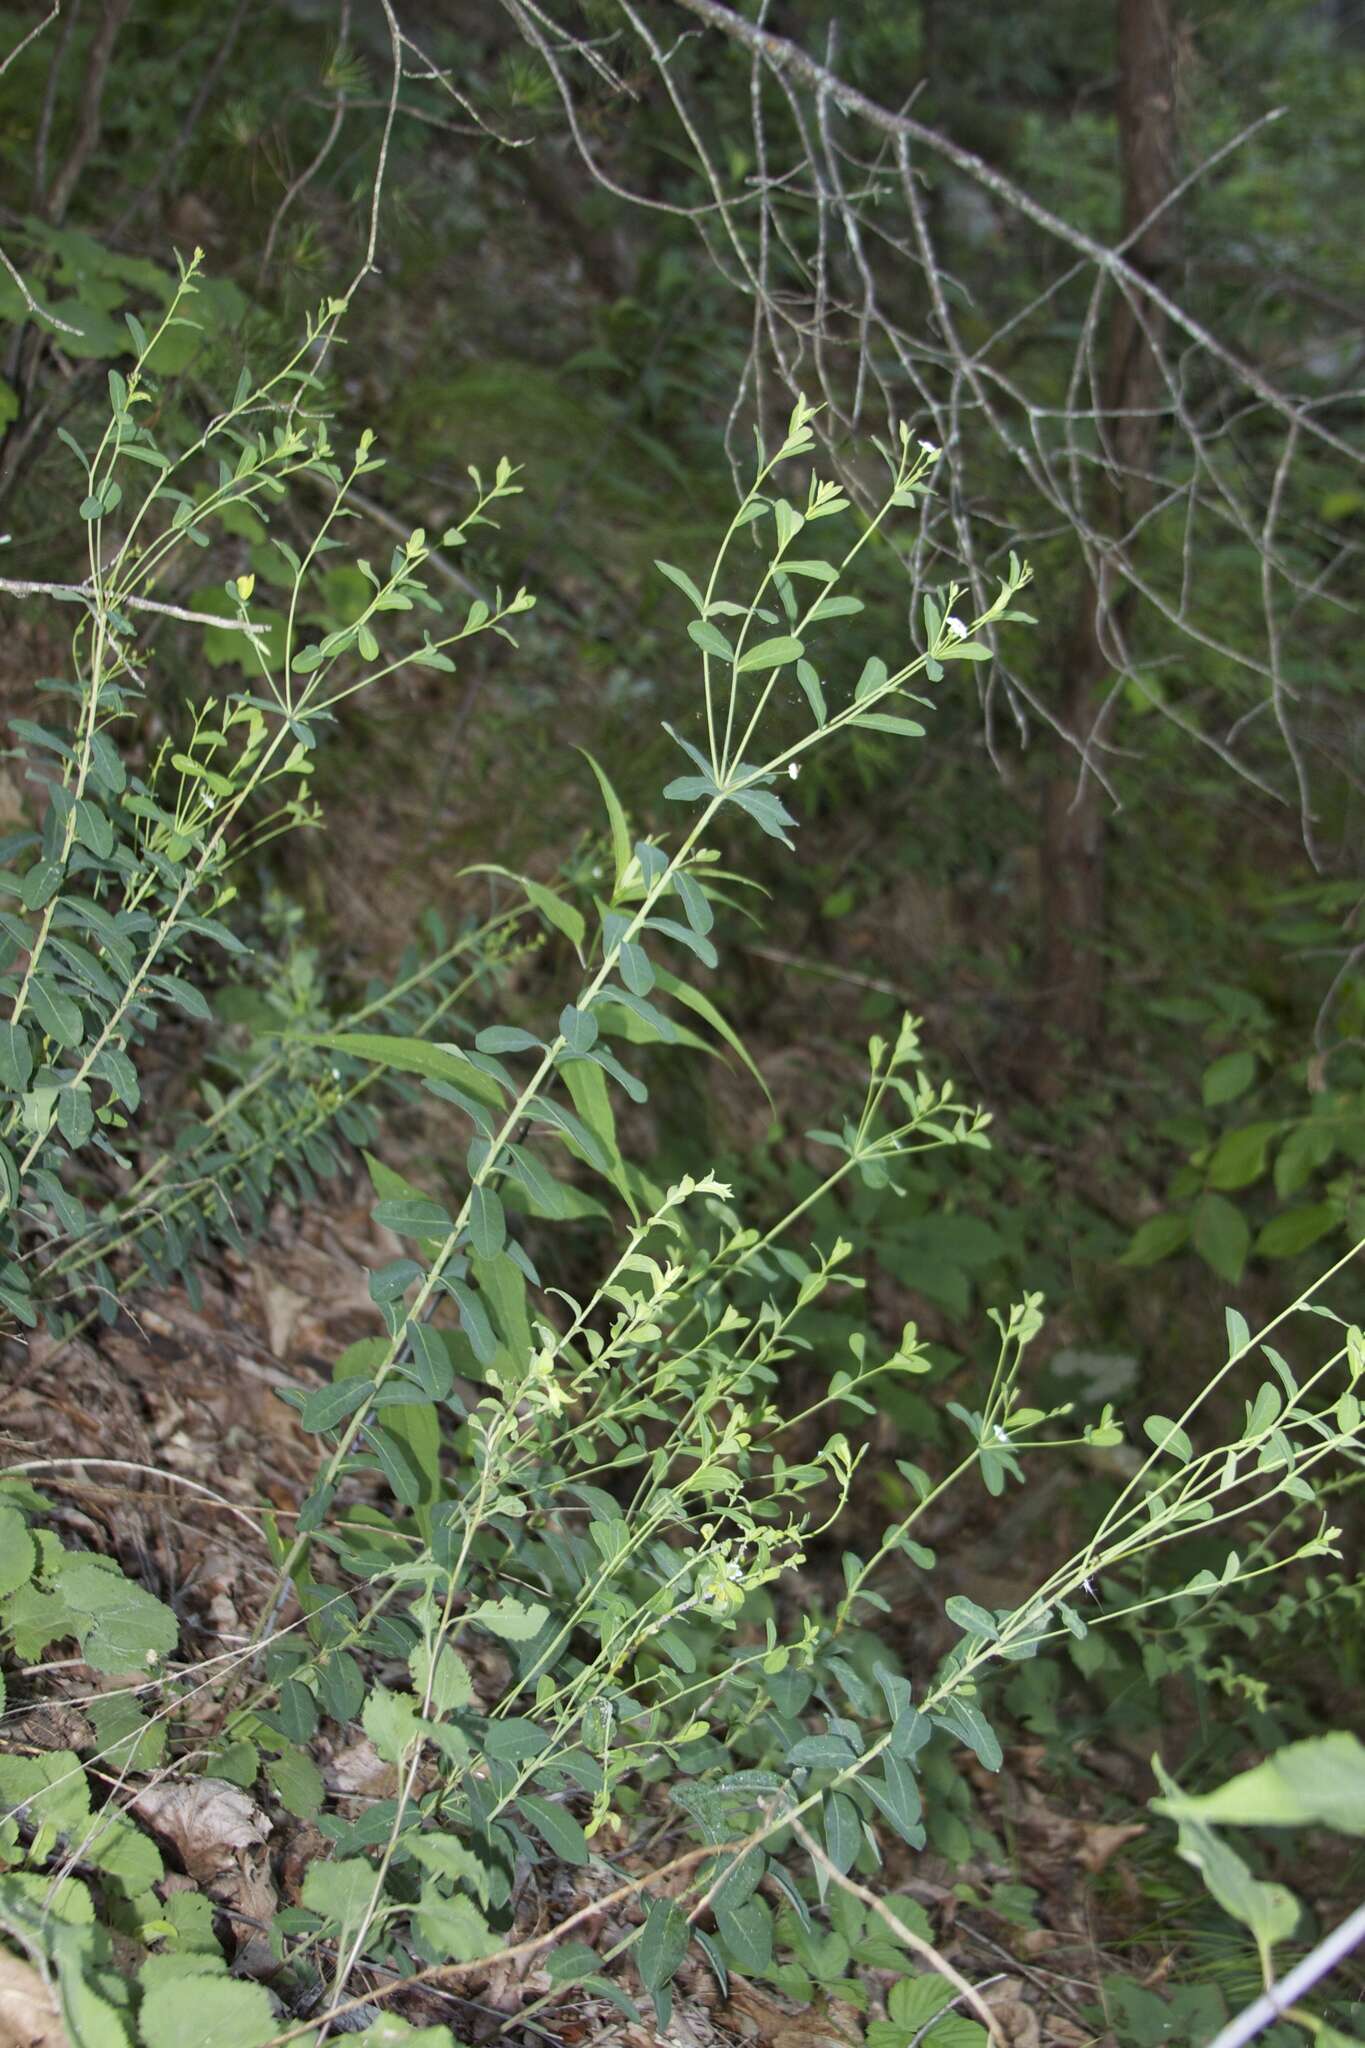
[
  {"x": 516, "y": 1621},
  {"x": 123, "y": 1628},
  {"x": 228, "y": 2013},
  {"x": 341, "y": 1892}
]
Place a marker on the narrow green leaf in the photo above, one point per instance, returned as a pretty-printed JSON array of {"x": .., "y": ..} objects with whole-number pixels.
[
  {"x": 616, "y": 816},
  {"x": 487, "y": 1224},
  {"x": 772, "y": 653}
]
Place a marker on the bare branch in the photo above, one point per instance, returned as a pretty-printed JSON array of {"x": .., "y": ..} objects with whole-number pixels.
[
  {"x": 90, "y": 115},
  {"x": 84, "y": 593}
]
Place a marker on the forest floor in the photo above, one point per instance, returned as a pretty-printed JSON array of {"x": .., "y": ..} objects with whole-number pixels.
[{"x": 163, "y": 1443}]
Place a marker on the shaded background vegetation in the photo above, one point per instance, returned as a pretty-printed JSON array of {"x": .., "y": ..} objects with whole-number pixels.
[{"x": 1173, "y": 1052}]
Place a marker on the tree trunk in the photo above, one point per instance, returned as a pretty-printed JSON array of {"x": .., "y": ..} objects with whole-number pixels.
[{"x": 1071, "y": 959}]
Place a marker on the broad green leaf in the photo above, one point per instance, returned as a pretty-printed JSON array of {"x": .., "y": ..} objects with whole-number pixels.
[
  {"x": 450, "y": 1682},
  {"x": 844, "y": 606},
  {"x": 227, "y": 2011},
  {"x": 1221, "y": 1235},
  {"x": 408, "y": 1450},
  {"x": 18, "y": 1552},
  {"x": 326, "y": 1406},
  {"x": 886, "y": 721},
  {"x": 506, "y": 1038},
  {"x": 814, "y": 691},
  {"x": 747, "y": 1932},
  {"x": 821, "y": 1753},
  {"x": 588, "y": 1089},
  {"x": 967, "y": 1615},
  {"x": 1269, "y": 1910},
  {"x": 296, "y": 1782},
  {"x": 710, "y": 639},
  {"x": 896, "y": 1794},
  {"x": 1240, "y": 1156},
  {"x": 453, "y": 1929},
  {"x": 430, "y": 1365},
  {"x": 578, "y": 1028},
  {"x": 393, "y": 1721},
  {"x": 843, "y": 1830},
  {"x": 413, "y": 1216},
  {"x": 1293, "y": 1230},
  {"x": 516, "y": 1621},
  {"x": 1316, "y": 1783},
  {"x": 1227, "y": 1078},
  {"x": 342, "y": 1892},
  {"x": 970, "y": 1726},
  {"x": 124, "y": 1628},
  {"x": 770, "y": 653},
  {"x": 558, "y": 1827},
  {"x": 1156, "y": 1239},
  {"x": 914, "y": 2001},
  {"x": 662, "y": 1944},
  {"x": 1168, "y": 1437},
  {"x": 487, "y": 1224},
  {"x": 768, "y": 810},
  {"x": 58, "y": 1015},
  {"x": 16, "y": 1058}
]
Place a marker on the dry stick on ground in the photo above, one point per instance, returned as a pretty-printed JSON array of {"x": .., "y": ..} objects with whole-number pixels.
[
  {"x": 441, "y": 1973},
  {"x": 965, "y": 1991}
]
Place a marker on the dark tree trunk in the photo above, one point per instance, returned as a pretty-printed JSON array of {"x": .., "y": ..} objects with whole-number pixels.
[{"x": 1071, "y": 963}]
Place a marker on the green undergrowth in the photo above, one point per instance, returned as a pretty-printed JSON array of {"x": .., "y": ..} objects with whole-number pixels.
[{"x": 561, "y": 1561}]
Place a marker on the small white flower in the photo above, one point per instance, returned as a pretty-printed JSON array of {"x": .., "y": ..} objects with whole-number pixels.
[
  {"x": 793, "y": 770},
  {"x": 928, "y": 448},
  {"x": 956, "y": 628}
]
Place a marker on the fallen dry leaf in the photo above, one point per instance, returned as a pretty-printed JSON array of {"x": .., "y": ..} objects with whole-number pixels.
[
  {"x": 1017, "y": 2020},
  {"x": 29, "y": 2017},
  {"x": 358, "y": 1772},
  {"x": 217, "y": 1831},
  {"x": 206, "y": 1820},
  {"x": 1100, "y": 1842},
  {"x": 751, "y": 2015}
]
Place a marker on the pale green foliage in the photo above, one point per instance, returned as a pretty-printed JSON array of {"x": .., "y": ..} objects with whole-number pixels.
[{"x": 565, "y": 1598}]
